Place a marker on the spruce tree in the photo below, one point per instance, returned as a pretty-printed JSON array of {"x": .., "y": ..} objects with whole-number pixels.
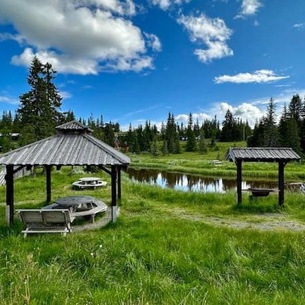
[
  {"x": 39, "y": 108},
  {"x": 191, "y": 144},
  {"x": 202, "y": 145},
  {"x": 270, "y": 128}
]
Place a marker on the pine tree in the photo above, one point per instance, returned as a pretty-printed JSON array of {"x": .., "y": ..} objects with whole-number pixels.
[
  {"x": 202, "y": 145},
  {"x": 39, "y": 110},
  {"x": 170, "y": 133},
  {"x": 270, "y": 128},
  {"x": 108, "y": 134},
  {"x": 283, "y": 127},
  {"x": 164, "y": 147},
  {"x": 191, "y": 144},
  {"x": 227, "y": 127},
  {"x": 154, "y": 147},
  {"x": 257, "y": 137}
]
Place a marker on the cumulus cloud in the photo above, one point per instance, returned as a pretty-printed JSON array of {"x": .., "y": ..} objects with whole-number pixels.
[
  {"x": 201, "y": 117},
  {"x": 211, "y": 32},
  {"x": 166, "y": 4},
  {"x": 259, "y": 76},
  {"x": 249, "y": 7},
  {"x": 79, "y": 36},
  {"x": 247, "y": 113}
]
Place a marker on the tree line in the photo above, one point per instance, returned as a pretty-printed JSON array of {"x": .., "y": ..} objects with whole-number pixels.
[{"x": 39, "y": 113}]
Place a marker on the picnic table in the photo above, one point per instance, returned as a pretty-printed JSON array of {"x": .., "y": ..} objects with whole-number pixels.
[
  {"x": 89, "y": 183},
  {"x": 73, "y": 201},
  {"x": 80, "y": 206}
]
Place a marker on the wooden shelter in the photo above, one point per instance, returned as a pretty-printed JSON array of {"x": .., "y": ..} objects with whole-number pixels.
[
  {"x": 281, "y": 155},
  {"x": 73, "y": 145}
]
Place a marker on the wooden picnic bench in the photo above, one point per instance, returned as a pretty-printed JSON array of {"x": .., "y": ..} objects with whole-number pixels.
[{"x": 45, "y": 221}]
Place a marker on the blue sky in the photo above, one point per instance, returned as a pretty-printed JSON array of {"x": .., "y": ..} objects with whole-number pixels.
[{"x": 132, "y": 61}]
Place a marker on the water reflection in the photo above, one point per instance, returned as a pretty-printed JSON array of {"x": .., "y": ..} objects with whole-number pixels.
[{"x": 186, "y": 182}]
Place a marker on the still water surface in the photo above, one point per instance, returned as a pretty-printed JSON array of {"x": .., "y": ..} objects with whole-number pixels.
[{"x": 187, "y": 182}]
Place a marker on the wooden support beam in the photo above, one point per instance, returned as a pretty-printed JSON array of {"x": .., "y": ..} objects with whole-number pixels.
[
  {"x": 48, "y": 183},
  {"x": 104, "y": 169},
  {"x": 16, "y": 170},
  {"x": 113, "y": 193},
  {"x": 239, "y": 180},
  {"x": 281, "y": 183},
  {"x": 9, "y": 194},
  {"x": 119, "y": 183}
]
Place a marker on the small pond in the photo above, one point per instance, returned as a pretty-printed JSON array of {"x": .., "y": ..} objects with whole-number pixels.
[{"x": 195, "y": 183}]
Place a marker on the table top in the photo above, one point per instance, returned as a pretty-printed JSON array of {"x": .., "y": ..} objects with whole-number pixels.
[
  {"x": 74, "y": 200},
  {"x": 90, "y": 179}
]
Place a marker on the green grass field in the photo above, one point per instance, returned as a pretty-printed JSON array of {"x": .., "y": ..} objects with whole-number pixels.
[{"x": 167, "y": 247}]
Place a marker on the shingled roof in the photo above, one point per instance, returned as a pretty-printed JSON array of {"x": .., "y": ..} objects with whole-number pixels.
[
  {"x": 72, "y": 145},
  {"x": 262, "y": 154}
]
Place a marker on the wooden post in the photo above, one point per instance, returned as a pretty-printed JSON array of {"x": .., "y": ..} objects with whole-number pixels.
[
  {"x": 48, "y": 183},
  {"x": 281, "y": 184},
  {"x": 119, "y": 183},
  {"x": 239, "y": 180},
  {"x": 9, "y": 194},
  {"x": 113, "y": 193}
]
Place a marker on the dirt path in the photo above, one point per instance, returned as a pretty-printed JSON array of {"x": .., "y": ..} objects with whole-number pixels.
[{"x": 264, "y": 222}]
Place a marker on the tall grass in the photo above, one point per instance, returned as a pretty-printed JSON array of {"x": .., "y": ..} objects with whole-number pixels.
[{"x": 162, "y": 250}]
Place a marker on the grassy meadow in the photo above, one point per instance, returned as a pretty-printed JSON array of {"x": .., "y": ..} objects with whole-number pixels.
[{"x": 167, "y": 247}]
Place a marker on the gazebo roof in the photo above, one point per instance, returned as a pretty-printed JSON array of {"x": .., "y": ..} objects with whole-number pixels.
[
  {"x": 262, "y": 154},
  {"x": 72, "y": 145}
]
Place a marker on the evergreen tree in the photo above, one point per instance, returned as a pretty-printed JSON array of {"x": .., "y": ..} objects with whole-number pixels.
[
  {"x": 302, "y": 128},
  {"x": 202, "y": 145},
  {"x": 109, "y": 134},
  {"x": 191, "y": 144},
  {"x": 164, "y": 147},
  {"x": 177, "y": 147},
  {"x": 228, "y": 126},
  {"x": 39, "y": 109},
  {"x": 170, "y": 133},
  {"x": 289, "y": 131},
  {"x": 292, "y": 135},
  {"x": 270, "y": 128},
  {"x": 257, "y": 137},
  {"x": 282, "y": 129},
  {"x": 154, "y": 147},
  {"x": 295, "y": 109}
]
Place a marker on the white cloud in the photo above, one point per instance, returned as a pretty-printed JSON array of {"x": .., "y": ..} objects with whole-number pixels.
[
  {"x": 166, "y": 4},
  {"x": 211, "y": 32},
  {"x": 201, "y": 117},
  {"x": 299, "y": 26},
  {"x": 259, "y": 76},
  {"x": 249, "y": 7},
  {"x": 8, "y": 100},
  {"x": 79, "y": 36},
  {"x": 247, "y": 112},
  {"x": 153, "y": 41},
  {"x": 65, "y": 94}
]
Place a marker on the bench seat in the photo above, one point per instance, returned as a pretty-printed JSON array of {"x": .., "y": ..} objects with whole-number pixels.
[{"x": 45, "y": 221}]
